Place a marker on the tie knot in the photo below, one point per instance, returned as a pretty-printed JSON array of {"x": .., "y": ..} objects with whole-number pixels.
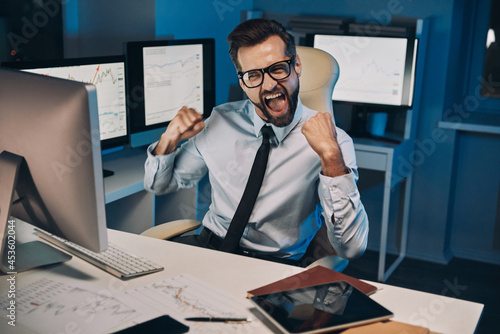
[{"x": 267, "y": 133}]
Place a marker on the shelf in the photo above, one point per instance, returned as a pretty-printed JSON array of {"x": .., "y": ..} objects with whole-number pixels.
[
  {"x": 479, "y": 122},
  {"x": 128, "y": 178},
  {"x": 374, "y": 144}
]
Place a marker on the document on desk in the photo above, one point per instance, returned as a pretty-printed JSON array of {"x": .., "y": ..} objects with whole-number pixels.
[
  {"x": 47, "y": 306},
  {"x": 186, "y": 296}
]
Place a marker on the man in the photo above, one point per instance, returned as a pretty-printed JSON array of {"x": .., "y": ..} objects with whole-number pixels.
[{"x": 310, "y": 162}]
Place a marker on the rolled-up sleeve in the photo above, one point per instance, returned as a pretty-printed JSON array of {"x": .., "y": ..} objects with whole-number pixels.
[{"x": 168, "y": 173}]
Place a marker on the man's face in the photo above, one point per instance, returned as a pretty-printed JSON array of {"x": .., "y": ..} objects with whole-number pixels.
[{"x": 275, "y": 101}]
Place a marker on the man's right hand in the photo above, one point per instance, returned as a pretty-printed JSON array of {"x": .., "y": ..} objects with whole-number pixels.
[{"x": 186, "y": 124}]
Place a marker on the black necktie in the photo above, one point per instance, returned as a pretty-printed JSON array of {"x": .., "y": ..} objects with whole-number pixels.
[{"x": 240, "y": 219}]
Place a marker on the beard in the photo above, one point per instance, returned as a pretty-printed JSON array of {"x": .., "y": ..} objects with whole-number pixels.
[{"x": 287, "y": 117}]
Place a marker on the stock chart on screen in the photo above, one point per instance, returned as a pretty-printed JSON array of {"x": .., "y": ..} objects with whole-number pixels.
[
  {"x": 109, "y": 80},
  {"x": 173, "y": 77}
]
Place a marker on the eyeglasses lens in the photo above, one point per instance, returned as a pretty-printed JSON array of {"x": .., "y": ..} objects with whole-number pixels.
[{"x": 278, "y": 71}]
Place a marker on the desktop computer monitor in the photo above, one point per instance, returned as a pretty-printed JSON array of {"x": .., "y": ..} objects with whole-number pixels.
[
  {"x": 374, "y": 70},
  {"x": 50, "y": 164},
  {"x": 162, "y": 77},
  {"x": 108, "y": 76}
]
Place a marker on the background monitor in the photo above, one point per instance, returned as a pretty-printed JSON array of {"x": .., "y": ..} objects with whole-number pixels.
[
  {"x": 108, "y": 76},
  {"x": 162, "y": 77},
  {"x": 50, "y": 161},
  {"x": 373, "y": 70}
]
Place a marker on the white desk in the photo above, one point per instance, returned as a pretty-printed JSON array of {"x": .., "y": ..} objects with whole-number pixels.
[
  {"x": 131, "y": 208},
  {"x": 236, "y": 275},
  {"x": 128, "y": 166},
  {"x": 128, "y": 206}
]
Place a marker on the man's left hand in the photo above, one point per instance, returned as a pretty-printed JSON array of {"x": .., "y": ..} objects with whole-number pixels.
[{"x": 321, "y": 135}]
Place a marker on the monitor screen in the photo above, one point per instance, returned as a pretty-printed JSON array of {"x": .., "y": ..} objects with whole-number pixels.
[
  {"x": 165, "y": 75},
  {"x": 50, "y": 159},
  {"x": 373, "y": 70},
  {"x": 108, "y": 76}
]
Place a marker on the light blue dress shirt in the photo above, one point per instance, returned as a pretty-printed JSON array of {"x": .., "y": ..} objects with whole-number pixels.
[{"x": 284, "y": 218}]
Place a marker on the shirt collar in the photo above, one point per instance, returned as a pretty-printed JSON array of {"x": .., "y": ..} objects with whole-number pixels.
[{"x": 280, "y": 132}]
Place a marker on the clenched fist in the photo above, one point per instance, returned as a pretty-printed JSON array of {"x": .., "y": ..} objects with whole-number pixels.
[
  {"x": 186, "y": 124},
  {"x": 321, "y": 135}
]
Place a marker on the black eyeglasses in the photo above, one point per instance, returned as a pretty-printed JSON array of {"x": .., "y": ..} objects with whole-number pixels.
[{"x": 278, "y": 71}]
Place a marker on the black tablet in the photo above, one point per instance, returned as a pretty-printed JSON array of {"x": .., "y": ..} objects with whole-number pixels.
[{"x": 320, "y": 308}]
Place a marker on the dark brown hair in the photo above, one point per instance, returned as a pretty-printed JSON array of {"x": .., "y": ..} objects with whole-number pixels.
[{"x": 256, "y": 31}]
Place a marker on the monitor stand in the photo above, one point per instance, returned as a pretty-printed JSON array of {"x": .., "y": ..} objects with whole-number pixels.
[
  {"x": 31, "y": 255},
  {"x": 16, "y": 256}
]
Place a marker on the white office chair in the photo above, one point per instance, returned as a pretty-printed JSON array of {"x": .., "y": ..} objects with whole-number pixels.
[{"x": 319, "y": 74}]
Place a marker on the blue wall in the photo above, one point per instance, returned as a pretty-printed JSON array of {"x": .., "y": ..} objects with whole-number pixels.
[
  {"x": 99, "y": 28},
  {"x": 476, "y": 196}
]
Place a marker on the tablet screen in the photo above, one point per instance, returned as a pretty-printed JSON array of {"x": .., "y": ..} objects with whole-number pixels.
[{"x": 320, "y": 308}]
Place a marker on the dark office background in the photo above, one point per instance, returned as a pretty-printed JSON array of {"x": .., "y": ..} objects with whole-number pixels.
[
  {"x": 29, "y": 32},
  {"x": 455, "y": 196},
  {"x": 455, "y": 200}
]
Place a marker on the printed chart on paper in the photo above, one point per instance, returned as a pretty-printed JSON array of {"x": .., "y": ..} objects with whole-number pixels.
[
  {"x": 47, "y": 306},
  {"x": 186, "y": 296}
]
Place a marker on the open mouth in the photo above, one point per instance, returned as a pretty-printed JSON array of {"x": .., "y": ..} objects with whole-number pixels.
[{"x": 276, "y": 103}]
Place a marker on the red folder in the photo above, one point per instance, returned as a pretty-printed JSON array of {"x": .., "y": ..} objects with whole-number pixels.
[{"x": 314, "y": 276}]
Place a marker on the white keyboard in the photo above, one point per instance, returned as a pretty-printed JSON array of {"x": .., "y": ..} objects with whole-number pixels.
[{"x": 114, "y": 260}]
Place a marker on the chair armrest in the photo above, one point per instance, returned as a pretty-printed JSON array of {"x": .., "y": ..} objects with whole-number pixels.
[{"x": 171, "y": 229}]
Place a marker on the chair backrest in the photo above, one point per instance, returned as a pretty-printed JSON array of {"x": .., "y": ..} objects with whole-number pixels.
[{"x": 320, "y": 72}]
